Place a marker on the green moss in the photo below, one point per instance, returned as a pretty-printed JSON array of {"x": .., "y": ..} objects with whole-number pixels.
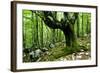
[{"x": 58, "y": 52}]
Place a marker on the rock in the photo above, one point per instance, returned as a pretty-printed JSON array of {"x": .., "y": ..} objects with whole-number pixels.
[
  {"x": 73, "y": 56},
  {"x": 38, "y": 53},
  {"x": 24, "y": 55},
  {"x": 44, "y": 49},
  {"x": 87, "y": 53},
  {"x": 47, "y": 53},
  {"x": 61, "y": 59},
  {"x": 32, "y": 54},
  {"x": 78, "y": 57},
  {"x": 81, "y": 53},
  {"x": 81, "y": 50},
  {"x": 51, "y": 45}
]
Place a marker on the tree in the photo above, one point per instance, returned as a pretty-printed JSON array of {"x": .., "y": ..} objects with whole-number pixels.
[
  {"x": 82, "y": 24},
  {"x": 66, "y": 24},
  {"x": 78, "y": 26}
]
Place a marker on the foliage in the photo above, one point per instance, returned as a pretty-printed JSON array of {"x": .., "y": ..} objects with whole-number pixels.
[{"x": 56, "y": 34}]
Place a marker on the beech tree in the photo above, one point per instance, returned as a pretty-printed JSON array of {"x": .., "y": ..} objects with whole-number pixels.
[{"x": 66, "y": 24}]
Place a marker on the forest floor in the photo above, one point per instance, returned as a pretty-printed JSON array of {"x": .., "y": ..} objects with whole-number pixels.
[{"x": 63, "y": 53}]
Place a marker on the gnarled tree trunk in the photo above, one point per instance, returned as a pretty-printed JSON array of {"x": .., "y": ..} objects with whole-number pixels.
[
  {"x": 70, "y": 36},
  {"x": 66, "y": 25}
]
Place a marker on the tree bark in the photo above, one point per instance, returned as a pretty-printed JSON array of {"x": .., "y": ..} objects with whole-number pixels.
[{"x": 69, "y": 36}]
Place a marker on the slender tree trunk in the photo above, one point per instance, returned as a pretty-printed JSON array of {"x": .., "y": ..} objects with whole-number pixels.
[
  {"x": 87, "y": 25},
  {"x": 48, "y": 36},
  {"x": 53, "y": 30},
  {"x": 35, "y": 31},
  {"x": 78, "y": 30},
  {"x": 32, "y": 27},
  {"x": 82, "y": 25},
  {"x": 53, "y": 36},
  {"x": 41, "y": 34},
  {"x": 37, "y": 41}
]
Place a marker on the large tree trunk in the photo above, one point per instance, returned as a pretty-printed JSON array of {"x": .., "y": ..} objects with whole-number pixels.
[
  {"x": 66, "y": 25},
  {"x": 69, "y": 36}
]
